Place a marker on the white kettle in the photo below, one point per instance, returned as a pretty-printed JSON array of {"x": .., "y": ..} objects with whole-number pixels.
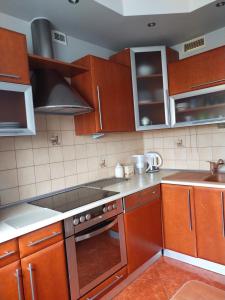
[{"x": 154, "y": 161}]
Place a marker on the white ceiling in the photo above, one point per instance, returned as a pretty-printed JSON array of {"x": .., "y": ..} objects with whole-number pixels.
[{"x": 93, "y": 22}]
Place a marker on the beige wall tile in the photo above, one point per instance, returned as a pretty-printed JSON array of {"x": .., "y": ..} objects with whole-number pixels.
[
  {"x": 57, "y": 170},
  {"x": 55, "y": 154},
  {"x": 205, "y": 154},
  {"x": 81, "y": 151},
  {"x": 82, "y": 166},
  {"x": 7, "y": 160},
  {"x": 7, "y": 143},
  {"x": 58, "y": 184},
  {"x": 218, "y": 152},
  {"x": 218, "y": 139},
  {"x": 41, "y": 122},
  {"x": 27, "y": 191},
  {"x": 26, "y": 175},
  {"x": 23, "y": 142},
  {"x": 9, "y": 196},
  {"x": 8, "y": 179},
  {"x": 53, "y": 122},
  {"x": 42, "y": 173},
  {"x": 67, "y": 137},
  {"x": 70, "y": 167},
  {"x": 91, "y": 150},
  {"x": 43, "y": 187},
  {"x": 204, "y": 140},
  {"x": 68, "y": 153},
  {"x": 40, "y": 140},
  {"x": 67, "y": 123},
  {"x": 70, "y": 181},
  {"x": 93, "y": 163},
  {"x": 24, "y": 158},
  {"x": 41, "y": 156}
]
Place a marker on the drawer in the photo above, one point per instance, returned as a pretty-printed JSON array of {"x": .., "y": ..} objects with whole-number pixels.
[
  {"x": 106, "y": 286},
  {"x": 39, "y": 239},
  {"x": 9, "y": 252},
  {"x": 140, "y": 198}
]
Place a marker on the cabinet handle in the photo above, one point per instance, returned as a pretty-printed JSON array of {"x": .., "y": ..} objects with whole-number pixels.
[
  {"x": 190, "y": 212},
  {"x": 30, "y": 269},
  {"x": 209, "y": 82},
  {"x": 223, "y": 213},
  {"x": 7, "y": 253},
  {"x": 19, "y": 284},
  {"x": 117, "y": 278},
  {"x": 10, "y": 76},
  {"x": 99, "y": 107},
  {"x": 31, "y": 244}
]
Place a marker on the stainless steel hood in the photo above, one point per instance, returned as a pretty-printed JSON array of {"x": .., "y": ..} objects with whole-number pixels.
[{"x": 52, "y": 93}]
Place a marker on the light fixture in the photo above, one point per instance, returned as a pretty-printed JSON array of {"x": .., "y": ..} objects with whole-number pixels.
[
  {"x": 219, "y": 4},
  {"x": 74, "y": 1},
  {"x": 151, "y": 24}
]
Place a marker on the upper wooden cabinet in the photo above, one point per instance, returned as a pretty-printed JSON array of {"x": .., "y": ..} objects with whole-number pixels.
[
  {"x": 107, "y": 88},
  {"x": 179, "y": 219},
  {"x": 197, "y": 72},
  {"x": 150, "y": 84},
  {"x": 13, "y": 57},
  {"x": 210, "y": 223}
]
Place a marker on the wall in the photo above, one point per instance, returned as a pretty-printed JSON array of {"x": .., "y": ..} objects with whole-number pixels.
[
  {"x": 75, "y": 49},
  {"x": 213, "y": 40},
  {"x": 200, "y": 144},
  {"x": 32, "y": 166}
]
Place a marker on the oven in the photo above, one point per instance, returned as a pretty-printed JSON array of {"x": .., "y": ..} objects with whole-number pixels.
[{"x": 95, "y": 247}]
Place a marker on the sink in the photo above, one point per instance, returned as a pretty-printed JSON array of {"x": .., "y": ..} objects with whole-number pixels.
[{"x": 220, "y": 177}]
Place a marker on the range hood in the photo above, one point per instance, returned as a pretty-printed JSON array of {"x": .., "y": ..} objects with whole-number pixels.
[{"x": 51, "y": 92}]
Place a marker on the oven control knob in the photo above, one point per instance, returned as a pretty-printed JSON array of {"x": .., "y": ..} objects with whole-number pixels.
[
  {"x": 114, "y": 206},
  {"x": 104, "y": 209},
  {"x": 82, "y": 219},
  {"x": 88, "y": 217},
  {"x": 76, "y": 221},
  {"x": 109, "y": 208}
]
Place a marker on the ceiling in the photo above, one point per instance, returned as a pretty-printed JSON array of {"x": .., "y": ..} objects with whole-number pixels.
[{"x": 96, "y": 23}]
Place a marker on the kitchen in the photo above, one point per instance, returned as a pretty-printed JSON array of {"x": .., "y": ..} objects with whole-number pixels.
[{"x": 112, "y": 152}]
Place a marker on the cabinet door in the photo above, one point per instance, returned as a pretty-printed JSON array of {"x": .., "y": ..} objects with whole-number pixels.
[
  {"x": 210, "y": 224},
  {"x": 178, "y": 219},
  {"x": 13, "y": 57},
  {"x": 107, "y": 88},
  {"x": 11, "y": 282},
  {"x": 44, "y": 274},
  {"x": 197, "y": 72},
  {"x": 143, "y": 232}
]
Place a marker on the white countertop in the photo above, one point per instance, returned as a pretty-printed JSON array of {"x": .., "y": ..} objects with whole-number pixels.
[{"x": 24, "y": 218}]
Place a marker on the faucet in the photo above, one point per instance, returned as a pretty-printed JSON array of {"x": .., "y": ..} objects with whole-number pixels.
[{"x": 214, "y": 166}]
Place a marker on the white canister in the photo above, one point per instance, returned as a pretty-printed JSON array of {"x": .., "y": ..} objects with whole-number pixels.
[
  {"x": 128, "y": 170},
  {"x": 119, "y": 171}
]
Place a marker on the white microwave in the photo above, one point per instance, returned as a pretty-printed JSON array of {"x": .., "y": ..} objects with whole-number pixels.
[{"x": 16, "y": 109}]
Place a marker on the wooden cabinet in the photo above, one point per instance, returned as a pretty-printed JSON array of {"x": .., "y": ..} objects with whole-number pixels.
[
  {"x": 210, "y": 223},
  {"x": 107, "y": 88},
  {"x": 13, "y": 57},
  {"x": 142, "y": 226},
  {"x": 44, "y": 274},
  {"x": 179, "y": 219},
  {"x": 197, "y": 72},
  {"x": 11, "y": 282},
  {"x": 9, "y": 252}
]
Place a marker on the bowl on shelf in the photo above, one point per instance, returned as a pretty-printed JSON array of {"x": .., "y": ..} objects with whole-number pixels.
[
  {"x": 145, "y": 70},
  {"x": 182, "y": 106}
]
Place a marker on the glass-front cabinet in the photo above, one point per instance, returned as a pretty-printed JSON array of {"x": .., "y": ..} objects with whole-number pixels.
[
  {"x": 150, "y": 87},
  {"x": 198, "y": 107}
]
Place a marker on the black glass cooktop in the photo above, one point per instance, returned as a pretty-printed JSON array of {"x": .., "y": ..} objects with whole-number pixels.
[{"x": 73, "y": 199}]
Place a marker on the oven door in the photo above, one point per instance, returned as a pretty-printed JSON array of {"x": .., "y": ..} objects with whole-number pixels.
[{"x": 99, "y": 251}]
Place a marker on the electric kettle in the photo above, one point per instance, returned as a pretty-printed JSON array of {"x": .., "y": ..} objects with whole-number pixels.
[{"x": 154, "y": 161}]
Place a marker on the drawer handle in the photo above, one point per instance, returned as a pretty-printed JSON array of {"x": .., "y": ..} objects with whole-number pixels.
[
  {"x": 7, "y": 253},
  {"x": 30, "y": 269},
  {"x": 209, "y": 82},
  {"x": 99, "y": 107},
  {"x": 19, "y": 284},
  {"x": 54, "y": 234},
  {"x": 10, "y": 76},
  {"x": 223, "y": 214},
  {"x": 117, "y": 278}
]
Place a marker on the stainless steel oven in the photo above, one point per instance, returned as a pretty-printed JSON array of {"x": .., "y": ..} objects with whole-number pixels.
[{"x": 95, "y": 246}]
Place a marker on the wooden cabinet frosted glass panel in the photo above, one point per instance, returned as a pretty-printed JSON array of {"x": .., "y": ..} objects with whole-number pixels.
[
  {"x": 150, "y": 87},
  {"x": 201, "y": 107}
]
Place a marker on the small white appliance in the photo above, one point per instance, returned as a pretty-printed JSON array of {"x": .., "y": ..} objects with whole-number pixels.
[
  {"x": 154, "y": 161},
  {"x": 140, "y": 164}
]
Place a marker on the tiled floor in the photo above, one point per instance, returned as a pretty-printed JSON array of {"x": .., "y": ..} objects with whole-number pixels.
[{"x": 164, "y": 278}]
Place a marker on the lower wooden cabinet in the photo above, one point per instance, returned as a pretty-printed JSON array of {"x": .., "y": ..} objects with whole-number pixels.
[
  {"x": 44, "y": 274},
  {"x": 179, "y": 219},
  {"x": 210, "y": 223},
  {"x": 11, "y": 287}
]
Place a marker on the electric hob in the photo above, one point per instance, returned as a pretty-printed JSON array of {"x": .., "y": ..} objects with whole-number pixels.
[{"x": 72, "y": 199}]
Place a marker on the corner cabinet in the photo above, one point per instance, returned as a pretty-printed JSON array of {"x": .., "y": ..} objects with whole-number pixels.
[{"x": 150, "y": 87}]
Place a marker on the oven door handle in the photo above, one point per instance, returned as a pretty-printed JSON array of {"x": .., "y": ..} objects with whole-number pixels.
[{"x": 96, "y": 232}]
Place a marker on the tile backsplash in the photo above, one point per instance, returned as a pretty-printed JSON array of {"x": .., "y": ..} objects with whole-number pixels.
[{"x": 32, "y": 166}]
